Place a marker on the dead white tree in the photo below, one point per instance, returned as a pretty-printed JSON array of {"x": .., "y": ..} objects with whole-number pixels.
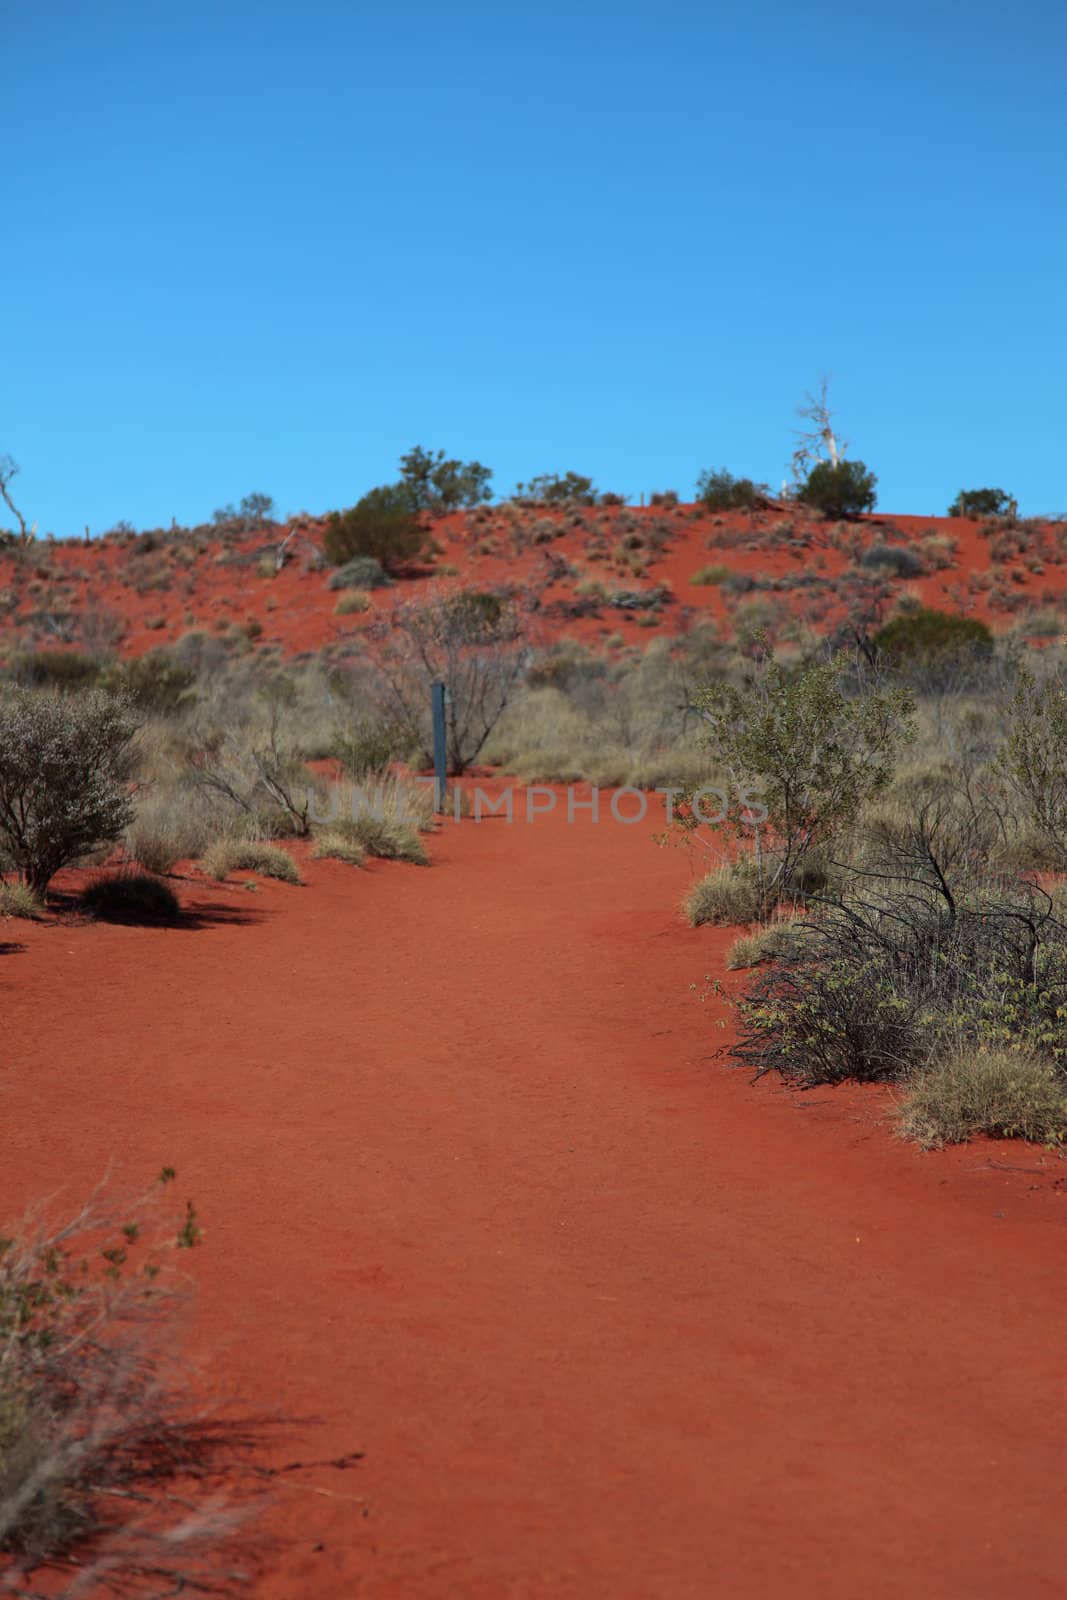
[
  {"x": 817, "y": 443},
  {"x": 8, "y": 470}
]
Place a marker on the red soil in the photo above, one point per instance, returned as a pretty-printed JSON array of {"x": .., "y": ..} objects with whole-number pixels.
[
  {"x": 607, "y": 1321},
  {"x": 152, "y": 592}
]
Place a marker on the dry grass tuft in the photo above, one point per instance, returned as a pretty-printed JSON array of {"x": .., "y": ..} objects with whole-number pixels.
[
  {"x": 1009, "y": 1094},
  {"x": 17, "y": 900},
  {"x": 240, "y": 855},
  {"x": 333, "y": 845},
  {"x": 764, "y": 944},
  {"x": 727, "y": 896}
]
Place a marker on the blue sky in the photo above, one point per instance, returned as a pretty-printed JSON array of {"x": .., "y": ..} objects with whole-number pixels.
[{"x": 265, "y": 246}]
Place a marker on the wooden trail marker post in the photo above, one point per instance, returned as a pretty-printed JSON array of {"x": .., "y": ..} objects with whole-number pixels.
[{"x": 438, "y": 694}]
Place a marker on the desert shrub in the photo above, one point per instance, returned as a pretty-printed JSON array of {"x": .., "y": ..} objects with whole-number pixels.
[
  {"x": 896, "y": 558},
  {"x": 839, "y": 488},
  {"x": 362, "y": 572},
  {"x": 65, "y": 761},
  {"x": 721, "y": 491},
  {"x": 804, "y": 750},
  {"x": 439, "y": 484},
  {"x": 714, "y": 574},
  {"x": 938, "y": 643},
  {"x": 1004, "y": 1093},
  {"x": 926, "y": 951},
  {"x": 981, "y": 503},
  {"x": 242, "y": 855},
  {"x": 727, "y": 896},
  {"x": 158, "y": 682},
  {"x": 336, "y": 846},
  {"x": 130, "y": 897},
  {"x": 666, "y": 498},
  {"x": 382, "y": 525},
  {"x": 352, "y": 604},
  {"x": 16, "y": 900},
  {"x": 55, "y": 669},
  {"x": 558, "y": 489}
]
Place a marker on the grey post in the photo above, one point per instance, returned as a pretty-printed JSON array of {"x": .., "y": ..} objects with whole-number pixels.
[{"x": 438, "y": 692}]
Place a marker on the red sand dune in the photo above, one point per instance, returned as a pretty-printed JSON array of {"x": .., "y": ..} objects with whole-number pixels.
[
  {"x": 152, "y": 592},
  {"x": 608, "y": 1322}
]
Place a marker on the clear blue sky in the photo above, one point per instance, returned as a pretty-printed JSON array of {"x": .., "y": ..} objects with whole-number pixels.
[{"x": 265, "y": 246}]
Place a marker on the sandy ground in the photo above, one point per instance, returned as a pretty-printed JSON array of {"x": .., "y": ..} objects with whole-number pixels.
[{"x": 608, "y": 1322}]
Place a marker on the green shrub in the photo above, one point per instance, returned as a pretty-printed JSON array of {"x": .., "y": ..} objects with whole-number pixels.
[
  {"x": 130, "y": 897},
  {"x": 807, "y": 751},
  {"x": 721, "y": 491},
  {"x": 982, "y": 503},
  {"x": 382, "y": 525},
  {"x": 1009, "y": 1094},
  {"x": 839, "y": 489},
  {"x": 713, "y": 574},
  {"x": 726, "y": 897},
  {"x": 239, "y": 855},
  {"x": 65, "y": 762},
  {"x": 934, "y": 641},
  {"x": 351, "y": 605},
  {"x": 362, "y": 572}
]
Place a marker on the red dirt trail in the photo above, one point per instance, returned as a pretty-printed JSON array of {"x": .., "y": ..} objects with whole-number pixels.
[{"x": 608, "y": 1322}]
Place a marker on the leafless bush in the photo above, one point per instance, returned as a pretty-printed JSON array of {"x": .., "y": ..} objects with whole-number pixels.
[{"x": 476, "y": 643}]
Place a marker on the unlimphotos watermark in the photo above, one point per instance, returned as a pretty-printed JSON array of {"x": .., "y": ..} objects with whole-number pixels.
[{"x": 710, "y": 805}]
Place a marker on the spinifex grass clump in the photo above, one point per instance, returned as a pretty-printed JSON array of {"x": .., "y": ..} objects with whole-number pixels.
[{"x": 242, "y": 855}]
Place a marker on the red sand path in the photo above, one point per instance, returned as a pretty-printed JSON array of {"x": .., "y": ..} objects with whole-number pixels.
[{"x": 607, "y": 1321}]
